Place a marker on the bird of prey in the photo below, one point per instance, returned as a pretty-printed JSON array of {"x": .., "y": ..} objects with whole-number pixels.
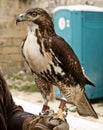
[{"x": 53, "y": 62}]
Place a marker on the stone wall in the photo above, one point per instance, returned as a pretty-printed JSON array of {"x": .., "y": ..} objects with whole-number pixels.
[{"x": 11, "y": 35}]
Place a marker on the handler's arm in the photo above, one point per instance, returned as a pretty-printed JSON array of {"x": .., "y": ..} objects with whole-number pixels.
[{"x": 18, "y": 119}]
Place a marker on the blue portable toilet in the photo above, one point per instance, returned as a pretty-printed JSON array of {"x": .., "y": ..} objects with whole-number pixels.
[{"x": 82, "y": 27}]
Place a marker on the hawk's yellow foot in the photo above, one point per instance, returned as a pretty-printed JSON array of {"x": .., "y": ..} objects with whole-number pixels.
[{"x": 60, "y": 113}]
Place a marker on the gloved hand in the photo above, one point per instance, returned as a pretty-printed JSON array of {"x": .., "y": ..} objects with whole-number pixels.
[
  {"x": 28, "y": 121},
  {"x": 46, "y": 123}
]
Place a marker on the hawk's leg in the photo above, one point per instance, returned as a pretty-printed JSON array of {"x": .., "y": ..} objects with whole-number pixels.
[
  {"x": 46, "y": 90},
  {"x": 45, "y": 106}
]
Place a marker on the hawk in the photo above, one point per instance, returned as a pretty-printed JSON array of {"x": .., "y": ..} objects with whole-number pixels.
[{"x": 53, "y": 62}]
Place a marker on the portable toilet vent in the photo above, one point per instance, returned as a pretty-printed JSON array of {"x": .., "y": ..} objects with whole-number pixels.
[{"x": 82, "y": 27}]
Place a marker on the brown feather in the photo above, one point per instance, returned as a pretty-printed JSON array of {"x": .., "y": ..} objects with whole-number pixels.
[{"x": 68, "y": 59}]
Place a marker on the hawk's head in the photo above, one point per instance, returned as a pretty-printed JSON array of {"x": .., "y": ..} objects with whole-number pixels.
[{"x": 36, "y": 16}]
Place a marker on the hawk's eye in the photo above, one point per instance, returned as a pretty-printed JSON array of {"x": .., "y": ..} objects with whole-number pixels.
[{"x": 33, "y": 14}]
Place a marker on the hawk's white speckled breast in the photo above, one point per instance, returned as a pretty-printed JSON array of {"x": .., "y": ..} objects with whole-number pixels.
[{"x": 31, "y": 51}]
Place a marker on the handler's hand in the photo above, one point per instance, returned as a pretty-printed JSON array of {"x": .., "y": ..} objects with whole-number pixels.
[{"x": 46, "y": 123}]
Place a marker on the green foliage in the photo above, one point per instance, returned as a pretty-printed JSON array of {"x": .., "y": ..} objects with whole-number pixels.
[
  {"x": 26, "y": 88},
  {"x": 29, "y": 88},
  {"x": 22, "y": 82},
  {"x": 25, "y": 1}
]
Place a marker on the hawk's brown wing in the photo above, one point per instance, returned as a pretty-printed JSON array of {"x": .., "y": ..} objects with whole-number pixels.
[
  {"x": 68, "y": 59},
  {"x": 74, "y": 94}
]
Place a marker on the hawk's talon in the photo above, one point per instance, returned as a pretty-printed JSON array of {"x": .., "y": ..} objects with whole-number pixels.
[
  {"x": 50, "y": 118},
  {"x": 59, "y": 115},
  {"x": 47, "y": 112},
  {"x": 66, "y": 112}
]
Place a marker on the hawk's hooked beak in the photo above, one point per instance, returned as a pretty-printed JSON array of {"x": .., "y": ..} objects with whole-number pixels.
[{"x": 20, "y": 18}]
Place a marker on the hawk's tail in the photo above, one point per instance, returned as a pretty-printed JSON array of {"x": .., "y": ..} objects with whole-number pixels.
[
  {"x": 76, "y": 95},
  {"x": 88, "y": 81},
  {"x": 84, "y": 108}
]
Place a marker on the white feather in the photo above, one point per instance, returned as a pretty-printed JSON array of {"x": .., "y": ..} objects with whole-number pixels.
[{"x": 36, "y": 60}]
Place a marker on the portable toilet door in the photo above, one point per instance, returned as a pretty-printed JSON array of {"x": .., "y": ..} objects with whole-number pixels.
[{"x": 82, "y": 27}]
